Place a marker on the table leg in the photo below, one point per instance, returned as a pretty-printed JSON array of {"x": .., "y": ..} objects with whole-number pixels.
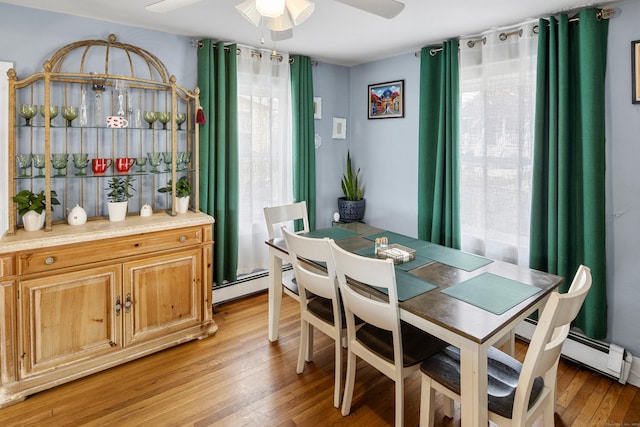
[
  {"x": 473, "y": 386},
  {"x": 275, "y": 294}
]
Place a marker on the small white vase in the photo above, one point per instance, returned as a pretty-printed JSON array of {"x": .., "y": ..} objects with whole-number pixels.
[
  {"x": 33, "y": 221},
  {"x": 117, "y": 211},
  {"x": 182, "y": 204}
]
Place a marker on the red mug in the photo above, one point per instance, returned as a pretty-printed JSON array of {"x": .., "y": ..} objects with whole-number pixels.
[
  {"x": 123, "y": 164},
  {"x": 100, "y": 165}
]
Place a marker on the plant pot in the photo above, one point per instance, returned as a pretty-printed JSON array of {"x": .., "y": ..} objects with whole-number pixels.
[
  {"x": 350, "y": 210},
  {"x": 117, "y": 211},
  {"x": 33, "y": 221},
  {"x": 182, "y": 204}
]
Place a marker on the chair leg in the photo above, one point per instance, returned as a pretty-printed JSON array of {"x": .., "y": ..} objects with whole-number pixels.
[
  {"x": 549, "y": 410},
  {"x": 449, "y": 409},
  {"x": 338, "y": 375},
  {"x": 309, "y": 356},
  {"x": 427, "y": 402},
  {"x": 303, "y": 351},
  {"x": 400, "y": 401},
  {"x": 349, "y": 384}
]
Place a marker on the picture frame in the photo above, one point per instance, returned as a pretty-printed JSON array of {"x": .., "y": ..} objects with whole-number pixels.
[
  {"x": 635, "y": 72},
  {"x": 386, "y": 100},
  {"x": 339, "y": 128},
  {"x": 317, "y": 107}
]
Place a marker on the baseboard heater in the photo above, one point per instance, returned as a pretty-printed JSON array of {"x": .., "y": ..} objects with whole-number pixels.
[{"x": 608, "y": 359}]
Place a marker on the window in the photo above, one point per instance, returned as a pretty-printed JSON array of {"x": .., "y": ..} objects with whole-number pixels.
[{"x": 497, "y": 105}]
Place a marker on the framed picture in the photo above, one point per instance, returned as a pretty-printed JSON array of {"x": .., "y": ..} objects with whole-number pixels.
[
  {"x": 635, "y": 72},
  {"x": 339, "y": 128},
  {"x": 317, "y": 107},
  {"x": 386, "y": 100}
]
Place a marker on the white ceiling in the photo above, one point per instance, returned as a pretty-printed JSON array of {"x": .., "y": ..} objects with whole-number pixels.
[{"x": 335, "y": 33}]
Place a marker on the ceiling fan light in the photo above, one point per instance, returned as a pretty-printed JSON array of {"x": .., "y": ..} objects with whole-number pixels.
[
  {"x": 270, "y": 8},
  {"x": 281, "y": 23},
  {"x": 300, "y": 10},
  {"x": 249, "y": 11},
  {"x": 281, "y": 35}
]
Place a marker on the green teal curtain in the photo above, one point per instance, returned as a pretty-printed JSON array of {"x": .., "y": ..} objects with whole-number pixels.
[
  {"x": 218, "y": 166},
  {"x": 438, "y": 161},
  {"x": 568, "y": 202},
  {"x": 304, "y": 152}
]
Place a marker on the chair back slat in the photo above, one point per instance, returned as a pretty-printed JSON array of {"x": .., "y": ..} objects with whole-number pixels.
[
  {"x": 277, "y": 216},
  {"x": 303, "y": 251},
  {"x": 550, "y": 333},
  {"x": 373, "y": 272}
]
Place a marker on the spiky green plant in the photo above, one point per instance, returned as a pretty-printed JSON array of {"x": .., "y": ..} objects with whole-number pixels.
[{"x": 351, "y": 186}]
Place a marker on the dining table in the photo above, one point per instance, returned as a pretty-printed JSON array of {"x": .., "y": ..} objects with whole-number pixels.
[{"x": 467, "y": 300}]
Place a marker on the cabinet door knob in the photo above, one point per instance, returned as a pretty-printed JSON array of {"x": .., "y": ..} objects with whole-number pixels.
[
  {"x": 118, "y": 306},
  {"x": 183, "y": 239},
  {"x": 49, "y": 260}
]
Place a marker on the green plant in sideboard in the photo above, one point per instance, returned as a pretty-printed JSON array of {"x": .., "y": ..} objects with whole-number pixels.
[
  {"x": 351, "y": 186},
  {"x": 30, "y": 201},
  {"x": 183, "y": 187},
  {"x": 120, "y": 189}
]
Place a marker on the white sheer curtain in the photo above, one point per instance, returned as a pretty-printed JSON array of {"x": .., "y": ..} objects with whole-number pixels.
[
  {"x": 264, "y": 141},
  {"x": 497, "y": 91}
]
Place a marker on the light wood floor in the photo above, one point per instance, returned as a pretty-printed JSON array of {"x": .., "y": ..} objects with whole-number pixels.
[{"x": 239, "y": 378}]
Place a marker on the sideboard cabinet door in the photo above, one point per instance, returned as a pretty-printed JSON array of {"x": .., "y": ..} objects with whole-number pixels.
[
  {"x": 163, "y": 294},
  {"x": 69, "y": 317}
]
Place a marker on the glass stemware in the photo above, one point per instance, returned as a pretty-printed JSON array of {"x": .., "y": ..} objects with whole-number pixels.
[
  {"x": 53, "y": 112},
  {"x": 163, "y": 117},
  {"x": 59, "y": 162},
  {"x": 69, "y": 113},
  {"x": 141, "y": 161},
  {"x": 180, "y": 118},
  {"x": 167, "y": 161},
  {"x": 39, "y": 161},
  {"x": 28, "y": 111},
  {"x": 24, "y": 162},
  {"x": 155, "y": 159},
  {"x": 150, "y": 117},
  {"x": 80, "y": 161}
]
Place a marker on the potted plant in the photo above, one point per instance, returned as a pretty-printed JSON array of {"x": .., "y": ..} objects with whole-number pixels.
[
  {"x": 351, "y": 205},
  {"x": 119, "y": 195},
  {"x": 32, "y": 207},
  {"x": 183, "y": 191}
]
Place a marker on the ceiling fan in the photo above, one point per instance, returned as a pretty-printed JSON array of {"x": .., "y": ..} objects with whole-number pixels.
[{"x": 385, "y": 8}]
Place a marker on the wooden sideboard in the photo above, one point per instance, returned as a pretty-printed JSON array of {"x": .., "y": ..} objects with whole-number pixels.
[{"x": 81, "y": 299}]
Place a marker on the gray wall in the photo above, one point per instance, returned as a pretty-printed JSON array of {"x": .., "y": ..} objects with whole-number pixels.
[
  {"x": 28, "y": 37},
  {"x": 331, "y": 84}
]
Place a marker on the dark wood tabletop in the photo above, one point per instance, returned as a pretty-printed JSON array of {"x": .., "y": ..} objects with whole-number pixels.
[{"x": 464, "y": 319}]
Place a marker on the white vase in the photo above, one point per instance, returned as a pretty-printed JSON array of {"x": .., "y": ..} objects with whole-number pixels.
[
  {"x": 117, "y": 211},
  {"x": 33, "y": 221},
  {"x": 182, "y": 204}
]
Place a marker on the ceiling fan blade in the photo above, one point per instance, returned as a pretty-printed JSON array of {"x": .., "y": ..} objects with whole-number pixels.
[
  {"x": 384, "y": 8},
  {"x": 168, "y": 5}
]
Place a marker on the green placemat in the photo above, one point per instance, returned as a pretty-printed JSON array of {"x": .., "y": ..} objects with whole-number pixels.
[
  {"x": 400, "y": 239},
  {"x": 368, "y": 252},
  {"x": 335, "y": 233},
  {"x": 453, "y": 257},
  {"x": 409, "y": 285},
  {"x": 492, "y": 293},
  {"x": 410, "y": 265}
]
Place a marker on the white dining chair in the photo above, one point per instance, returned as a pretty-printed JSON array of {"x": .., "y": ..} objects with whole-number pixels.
[
  {"x": 392, "y": 346},
  {"x": 324, "y": 311},
  {"x": 276, "y": 217},
  {"x": 517, "y": 393}
]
